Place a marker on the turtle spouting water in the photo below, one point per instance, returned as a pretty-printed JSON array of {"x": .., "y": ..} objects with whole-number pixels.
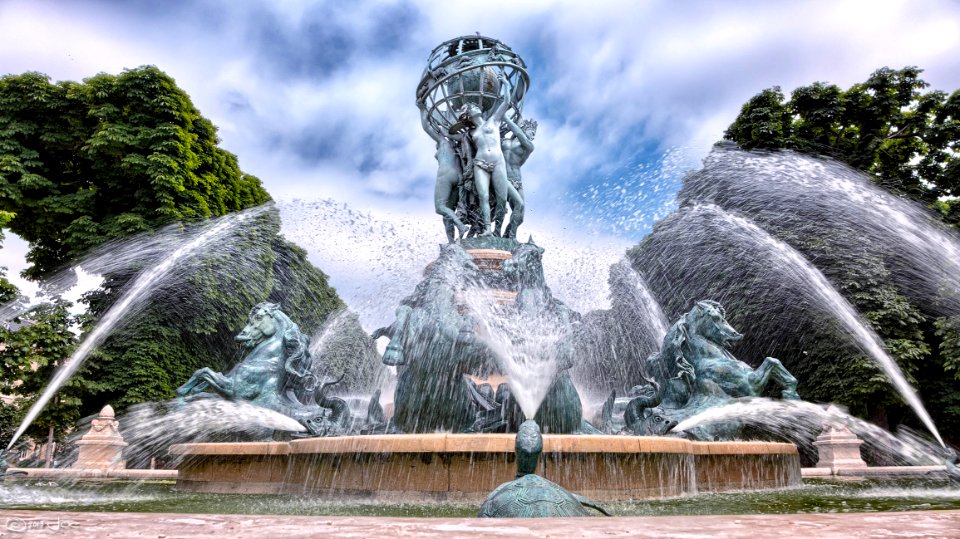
[{"x": 529, "y": 495}]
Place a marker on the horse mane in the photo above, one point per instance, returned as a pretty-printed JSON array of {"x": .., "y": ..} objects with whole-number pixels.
[
  {"x": 296, "y": 345},
  {"x": 673, "y": 342},
  {"x": 670, "y": 358},
  {"x": 715, "y": 304}
]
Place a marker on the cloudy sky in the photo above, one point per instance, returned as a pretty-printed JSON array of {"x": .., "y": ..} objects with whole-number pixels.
[{"x": 316, "y": 98}]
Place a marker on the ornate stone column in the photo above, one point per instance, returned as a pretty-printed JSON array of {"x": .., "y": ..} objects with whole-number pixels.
[{"x": 102, "y": 447}]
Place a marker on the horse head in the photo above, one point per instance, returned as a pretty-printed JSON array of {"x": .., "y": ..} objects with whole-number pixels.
[
  {"x": 262, "y": 325},
  {"x": 709, "y": 320},
  {"x": 525, "y": 268}
]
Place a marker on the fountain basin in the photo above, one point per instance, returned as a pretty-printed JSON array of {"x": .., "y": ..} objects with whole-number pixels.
[{"x": 466, "y": 467}]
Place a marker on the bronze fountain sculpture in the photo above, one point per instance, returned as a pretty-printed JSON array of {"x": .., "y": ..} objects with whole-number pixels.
[{"x": 483, "y": 310}]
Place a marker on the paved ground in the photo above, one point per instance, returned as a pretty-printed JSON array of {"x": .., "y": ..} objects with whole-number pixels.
[{"x": 170, "y": 525}]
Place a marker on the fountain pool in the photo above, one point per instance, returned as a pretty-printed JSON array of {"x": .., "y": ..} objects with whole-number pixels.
[{"x": 815, "y": 496}]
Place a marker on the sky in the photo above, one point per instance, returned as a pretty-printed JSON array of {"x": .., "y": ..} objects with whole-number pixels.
[{"x": 317, "y": 100}]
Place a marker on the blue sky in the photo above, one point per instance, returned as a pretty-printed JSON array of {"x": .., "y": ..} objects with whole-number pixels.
[{"x": 316, "y": 98}]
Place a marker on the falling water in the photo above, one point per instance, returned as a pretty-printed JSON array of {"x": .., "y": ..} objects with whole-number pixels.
[
  {"x": 634, "y": 294},
  {"x": 524, "y": 346},
  {"x": 324, "y": 339},
  {"x": 795, "y": 192},
  {"x": 801, "y": 422},
  {"x": 151, "y": 428},
  {"x": 132, "y": 300},
  {"x": 814, "y": 282}
]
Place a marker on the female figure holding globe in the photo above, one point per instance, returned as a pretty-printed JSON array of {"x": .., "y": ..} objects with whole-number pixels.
[
  {"x": 489, "y": 166},
  {"x": 516, "y": 150},
  {"x": 449, "y": 176}
]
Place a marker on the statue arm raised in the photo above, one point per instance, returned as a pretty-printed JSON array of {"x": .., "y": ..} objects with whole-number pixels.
[
  {"x": 428, "y": 127},
  {"x": 506, "y": 102},
  {"x": 519, "y": 134}
]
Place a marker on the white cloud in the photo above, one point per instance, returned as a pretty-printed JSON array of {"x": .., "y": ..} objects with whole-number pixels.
[{"x": 607, "y": 76}]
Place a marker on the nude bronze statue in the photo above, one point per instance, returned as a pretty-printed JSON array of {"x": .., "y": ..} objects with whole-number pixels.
[
  {"x": 516, "y": 151},
  {"x": 449, "y": 176}
]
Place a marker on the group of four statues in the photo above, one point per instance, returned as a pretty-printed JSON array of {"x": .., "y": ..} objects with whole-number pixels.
[{"x": 478, "y": 169}]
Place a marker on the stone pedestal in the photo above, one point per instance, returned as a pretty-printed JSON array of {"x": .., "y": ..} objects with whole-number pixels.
[
  {"x": 839, "y": 448},
  {"x": 489, "y": 259},
  {"x": 102, "y": 447}
]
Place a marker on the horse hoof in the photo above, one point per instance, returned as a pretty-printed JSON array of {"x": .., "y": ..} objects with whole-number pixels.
[{"x": 790, "y": 395}]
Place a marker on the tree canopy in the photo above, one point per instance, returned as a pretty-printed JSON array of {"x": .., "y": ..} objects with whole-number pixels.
[
  {"x": 120, "y": 156},
  {"x": 887, "y": 125},
  {"x": 82, "y": 163}
]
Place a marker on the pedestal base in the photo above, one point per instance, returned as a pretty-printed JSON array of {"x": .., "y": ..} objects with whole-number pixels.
[{"x": 839, "y": 448}]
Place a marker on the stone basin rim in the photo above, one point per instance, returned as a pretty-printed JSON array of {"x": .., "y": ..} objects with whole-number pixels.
[{"x": 482, "y": 443}]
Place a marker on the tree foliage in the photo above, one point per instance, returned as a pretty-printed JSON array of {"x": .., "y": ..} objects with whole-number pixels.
[
  {"x": 887, "y": 125},
  {"x": 36, "y": 344},
  {"x": 9, "y": 421},
  {"x": 82, "y": 163},
  {"x": 117, "y": 156}
]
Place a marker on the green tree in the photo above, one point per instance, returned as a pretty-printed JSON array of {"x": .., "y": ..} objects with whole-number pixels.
[
  {"x": 8, "y": 292},
  {"x": 83, "y": 163},
  {"x": 764, "y": 121},
  {"x": 9, "y": 421},
  {"x": 886, "y": 125},
  {"x": 115, "y": 156},
  {"x": 36, "y": 344}
]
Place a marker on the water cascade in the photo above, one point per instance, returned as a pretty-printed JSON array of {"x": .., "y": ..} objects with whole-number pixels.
[
  {"x": 823, "y": 295},
  {"x": 139, "y": 292},
  {"x": 525, "y": 348}
]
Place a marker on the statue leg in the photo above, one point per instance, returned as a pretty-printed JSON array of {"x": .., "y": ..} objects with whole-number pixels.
[
  {"x": 516, "y": 209},
  {"x": 449, "y": 228},
  {"x": 186, "y": 388},
  {"x": 481, "y": 181},
  {"x": 500, "y": 192},
  {"x": 220, "y": 383},
  {"x": 442, "y": 199},
  {"x": 206, "y": 377},
  {"x": 773, "y": 368},
  {"x": 196, "y": 384}
]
